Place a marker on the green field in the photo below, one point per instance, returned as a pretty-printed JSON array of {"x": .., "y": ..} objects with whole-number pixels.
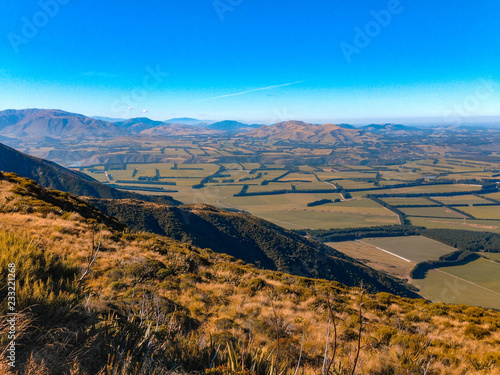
[
  {"x": 461, "y": 199},
  {"x": 483, "y": 212},
  {"x": 495, "y": 196},
  {"x": 431, "y": 212},
  {"x": 476, "y": 283},
  {"x": 371, "y": 256},
  {"x": 463, "y": 224},
  {"x": 492, "y": 256},
  {"x": 356, "y": 206},
  {"x": 299, "y": 177},
  {"x": 483, "y": 272},
  {"x": 301, "y": 219},
  {"x": 290, "y": 210},
  {"x": 272, "y": 186},
  {"x": 414, "y": 248},
  {"x": 441, "y": 286},
  {"x": 408, "y": 201},
  {"x": 349, "y": 184}
]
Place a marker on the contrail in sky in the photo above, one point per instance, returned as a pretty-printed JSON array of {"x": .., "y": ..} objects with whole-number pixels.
[{"x": 246, "y": 92}]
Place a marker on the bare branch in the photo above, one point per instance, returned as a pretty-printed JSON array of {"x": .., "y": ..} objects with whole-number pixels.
[
  {"x": 301, "y": 347},
  {"x": 360, "y": 330},
  {"x": 93, "y": 255}
]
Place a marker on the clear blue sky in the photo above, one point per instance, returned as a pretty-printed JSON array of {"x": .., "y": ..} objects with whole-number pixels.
[{"x": 255, "y": 60}]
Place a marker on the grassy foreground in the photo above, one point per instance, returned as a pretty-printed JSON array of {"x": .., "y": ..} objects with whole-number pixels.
[{"x": 153, "y": 305}]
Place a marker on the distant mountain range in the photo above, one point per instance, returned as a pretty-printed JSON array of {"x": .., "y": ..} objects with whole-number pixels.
[
  {"x": 189, "y": 121},
  {"x": 40, "y": 123},
  {"x": 109, "y": 119},
  {"x": 137, "y": 125},
  {"x": 309, "y": 133},
  {"x": 232, "y": 126},
  {"x": 391, "y": 128},
  {"x": 300, "y": 131},
  {"x": 53, "y": 125}
]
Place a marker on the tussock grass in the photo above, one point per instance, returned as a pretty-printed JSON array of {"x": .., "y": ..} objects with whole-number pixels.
[{"x": 152, "y": 305}]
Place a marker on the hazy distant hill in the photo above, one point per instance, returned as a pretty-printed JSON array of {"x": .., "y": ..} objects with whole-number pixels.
[
  {"x": 177, "y": 129},
  {"x": 311, "y": 133},
  {"x": 109, "y": 119},
  {"x": 53, "y": 176},
  {"x": 138, "y": 124},
  {"x": 395, "y": 129},
  {"x": 39, "y": 123},
  {"x": 251, "y": 239},
  {"x": 189, "y": 121},
  {"x": 232, "y": 126}
]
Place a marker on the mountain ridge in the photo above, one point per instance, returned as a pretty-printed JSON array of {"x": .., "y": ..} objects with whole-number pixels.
[
  {"x": 51, "y": 175},
  {"x": 38, "y": 123},
  {"x": 251, "y": 239}
]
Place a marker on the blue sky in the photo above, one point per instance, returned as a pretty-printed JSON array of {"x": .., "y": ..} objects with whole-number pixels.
[{"x": 253, "y": 60}]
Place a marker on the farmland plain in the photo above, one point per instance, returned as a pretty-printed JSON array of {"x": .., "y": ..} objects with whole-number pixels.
[
  {"x": 476, "y": 283},
  {"x": 285, "y": 193},
  {"x": 441, "y": 286},
  {"x": 412, "y": 179}
]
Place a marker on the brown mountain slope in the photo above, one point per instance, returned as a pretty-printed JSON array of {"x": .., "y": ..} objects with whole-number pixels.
[
  {"x": 311, "y": 133},
  {"x": 251, "y": 239},
  {"x": 56, "y": 124}
]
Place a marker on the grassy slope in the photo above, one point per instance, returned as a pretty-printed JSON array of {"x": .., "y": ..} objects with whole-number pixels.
[
  {"x": 154, "y": 304},
  {"x": 251, "y": 239}
]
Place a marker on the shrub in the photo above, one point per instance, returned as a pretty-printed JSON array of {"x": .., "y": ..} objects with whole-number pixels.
[
  {"x": 256, "y": 284},
  {"x": 385, "y": 334},
  {"x": 476, "y": 332},
  {"x": 114, "y": 274},
  {"x": 206, "y": 274},
  {"x": 117, "y": 285},
  {"x": 164, "y": 273},
  {"x": 374, "y": 305},
  {"x": 412, "y": 317},
  {"x": 348, "y": 335},
  {"x": 385, "y": 298},
  {"x": 183, "y": 321},
  {"x": 170, "y": 285}
]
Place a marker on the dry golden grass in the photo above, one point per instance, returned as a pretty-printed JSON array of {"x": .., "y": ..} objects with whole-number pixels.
[{"x": 196, "y": 300}]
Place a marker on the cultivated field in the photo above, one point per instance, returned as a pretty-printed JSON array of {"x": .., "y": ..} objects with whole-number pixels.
[
  {"x": 483, "y": 272},
  {"x": 281, "y": 192},
  {"x": 483, "y": 212},
  {"x": 432, "y": 212},
  {"x": 476, "y": 283},
  {"x": 461, "y": 199},
  {"x": 414, "y": 248},
  {"x": 396, "y": 202},
  {"x": 463, "y": 224},
  {"x": 372, "y": 256},
  {"x": 441, "y": 286}
]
